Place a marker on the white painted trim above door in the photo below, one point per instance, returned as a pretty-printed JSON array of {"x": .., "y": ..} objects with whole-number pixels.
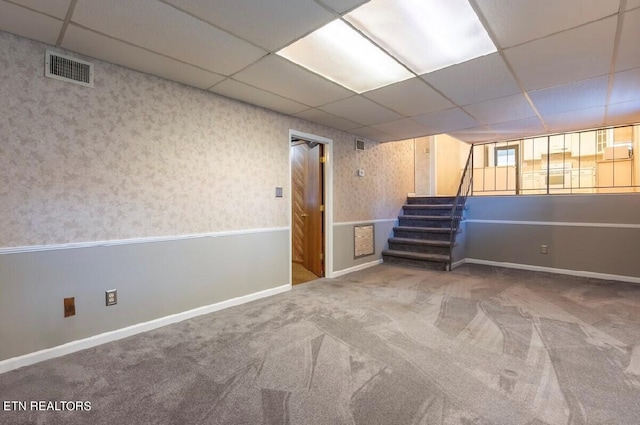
[{"x": 328, "y": 199}]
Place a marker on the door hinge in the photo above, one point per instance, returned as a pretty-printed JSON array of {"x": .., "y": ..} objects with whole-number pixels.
[
  {"x": 323, "y": 159},
  {"x": 321, "y": 208},
  {"x": 322, "y": 256}
]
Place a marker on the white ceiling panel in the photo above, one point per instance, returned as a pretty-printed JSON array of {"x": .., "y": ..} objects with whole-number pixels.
[
  {"x": 409, "y": 98},
  {"x": 516, "y": 22},
  {"x": 271, "y": 24},
  {"x": 629, "y": 48},
  {"x": 373, "y": 134},
  {"x": 92, "y": 44},
  {"x": 575, "y": 120},
  {"x": 342, "y": 6},
  {"x": 447, "y": 120},
  {"x": 29, "y": 24},
  {"x": 571, "y": 97},
  {"x": 405, "y": 128},
  {"x": 360, "y": 110},
  {"x": 161, "y": 28},
  {"x": 474, "y": 81},
  {"x": 626, "y": 86},
  {"x": 632, "y": 4},
  {"x": 57, "y": 8},
  {"x": 472, "y": 135},
  {"x": 623, "y": 113},
  {"x": 518, "y": 128},
  {"x": 325, "y": 118},
  {"x": 574, "y": 55},
  {"x": 282, "y": 77},
  {"x": 246, "y": 93},
  {"x": 508, "y": 108}
]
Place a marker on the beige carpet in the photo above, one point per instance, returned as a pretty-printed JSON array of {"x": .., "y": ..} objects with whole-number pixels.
[
  {"x": 386, "y": 345},
  {"x": 301, "y": 274}
]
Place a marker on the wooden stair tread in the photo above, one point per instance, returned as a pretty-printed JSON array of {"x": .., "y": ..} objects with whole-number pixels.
[
  {"x": 426, "y": 242},
  {"x": 439, "y": 258}
]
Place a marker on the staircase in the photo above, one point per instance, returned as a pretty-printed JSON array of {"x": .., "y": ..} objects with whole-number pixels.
[
  {"x": 427, "y": 229},
  {"x": 423, "y": 236}
]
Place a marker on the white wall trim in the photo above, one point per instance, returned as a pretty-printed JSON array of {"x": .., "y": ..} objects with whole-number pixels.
[
  {"x": 92, "y": 341},
  {"x": 556, "y": 223},
  {"x": 114, "y": 242},
  {"x": 581, "y": 273},
  {"x": 357, "y": 268},
  {"x": 458, "y": 263},
  {"x": 351, "y": 223}
]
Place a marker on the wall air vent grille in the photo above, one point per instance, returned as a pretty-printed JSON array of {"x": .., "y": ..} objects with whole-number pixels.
[
  {"x": 359, "y": 144},
  {"x": 69, "y": 69}
]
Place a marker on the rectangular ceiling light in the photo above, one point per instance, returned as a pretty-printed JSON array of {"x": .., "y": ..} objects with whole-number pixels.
[
  {"x": 425, "y": 35},
  {"x": 339, "y": 53}
]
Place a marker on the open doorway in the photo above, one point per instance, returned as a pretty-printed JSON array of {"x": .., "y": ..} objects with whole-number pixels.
[{"x": 307, "y": 209}]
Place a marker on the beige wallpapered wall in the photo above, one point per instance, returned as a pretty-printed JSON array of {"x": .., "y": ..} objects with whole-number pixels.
[{"x": 139, "y": 156}]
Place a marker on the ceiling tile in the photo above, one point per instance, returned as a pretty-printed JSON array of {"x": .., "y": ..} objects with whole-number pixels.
[
  {"x": 473, "y": 135},
  {"x": 575, "y": 120},
  {"x": 632, "y": 4},
  {"x": 282, "y": 77},
  {"x": 342, "y": 6},
  {"x": 623, "y": 113},
  {"x": 255, "y": 96},
  {"x": 629, "y": 48},
  {"x": 271, "y": 24},
  {"x": 474, "y": 81},
  {"x": 509, "y": 108},
  {"x": 409, "y": 98},
  {"x": 20, "y": 21},
  {"x": 373, "y": 134},
  {"x": 325, "y": 118},
  {"x": 571, "y": 97},
  {"x": 516, "y": 22},
  {"x": 574, "y": 55},
  {"x": 161, "y": 28},
  {"x": 91, "y": 44},
  {"x": 360, "y": 110},
  {"x": 447, "y": 120},
  {"x": 405, "y": 128},
  {"x": 57, "y": 8},
  {"x": 626, "y": 86},
  {"x": 519, "y": 128}
]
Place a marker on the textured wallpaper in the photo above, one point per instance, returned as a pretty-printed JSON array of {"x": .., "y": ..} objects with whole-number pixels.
[{"x": 139, "y": 156}]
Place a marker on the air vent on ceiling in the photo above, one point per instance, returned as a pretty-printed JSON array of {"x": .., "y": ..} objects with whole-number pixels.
[
  {"x": 69, "y": 69},
  {"x": 359, "y": 144}
]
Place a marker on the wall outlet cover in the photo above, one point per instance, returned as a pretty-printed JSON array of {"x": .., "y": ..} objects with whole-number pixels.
[
  {"x": 111, "y": 297},
  {"x": 69, "y": 307}
]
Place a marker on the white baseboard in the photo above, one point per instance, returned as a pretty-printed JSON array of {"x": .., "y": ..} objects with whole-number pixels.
[
  {"x": 356, "y": 268},
  {"x": 458, "y": 263},
  {"x": 581, "y": 273},
  {"x": 92, "y": 341}
]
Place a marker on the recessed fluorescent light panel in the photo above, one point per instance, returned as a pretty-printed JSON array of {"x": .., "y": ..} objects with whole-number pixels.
[
  {"x": 425, "y": 35},
  {"x": 339, "y": 53}
]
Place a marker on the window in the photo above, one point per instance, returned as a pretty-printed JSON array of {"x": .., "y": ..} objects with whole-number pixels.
[{"x": 505, "y": 156}]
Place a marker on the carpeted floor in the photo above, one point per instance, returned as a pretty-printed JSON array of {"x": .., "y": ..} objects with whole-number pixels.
[{"x": 386, "y": 345}]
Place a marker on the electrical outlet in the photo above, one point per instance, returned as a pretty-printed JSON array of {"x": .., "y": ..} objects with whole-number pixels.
[
  {"x": 69, "y": 307},
  {"x": 111, "y": 297},
  {"x": 544, "y": 249}
]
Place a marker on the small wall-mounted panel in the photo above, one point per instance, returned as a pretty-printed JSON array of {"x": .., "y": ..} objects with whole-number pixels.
[{"x": 364, "y": 240}]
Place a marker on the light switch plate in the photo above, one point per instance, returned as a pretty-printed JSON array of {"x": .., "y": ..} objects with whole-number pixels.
[
  {"x": 361, "y": 173},
  {"x": 279, "y": 192}
]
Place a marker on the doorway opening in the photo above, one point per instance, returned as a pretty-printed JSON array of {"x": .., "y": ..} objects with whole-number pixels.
[{"x": 310, "y": 193}]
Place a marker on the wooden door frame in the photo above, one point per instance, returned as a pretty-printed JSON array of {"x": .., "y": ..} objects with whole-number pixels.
[{"x": 328, "y": 199}]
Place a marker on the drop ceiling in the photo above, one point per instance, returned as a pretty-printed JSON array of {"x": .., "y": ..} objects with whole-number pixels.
[{"x": 559, "y": 66}]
